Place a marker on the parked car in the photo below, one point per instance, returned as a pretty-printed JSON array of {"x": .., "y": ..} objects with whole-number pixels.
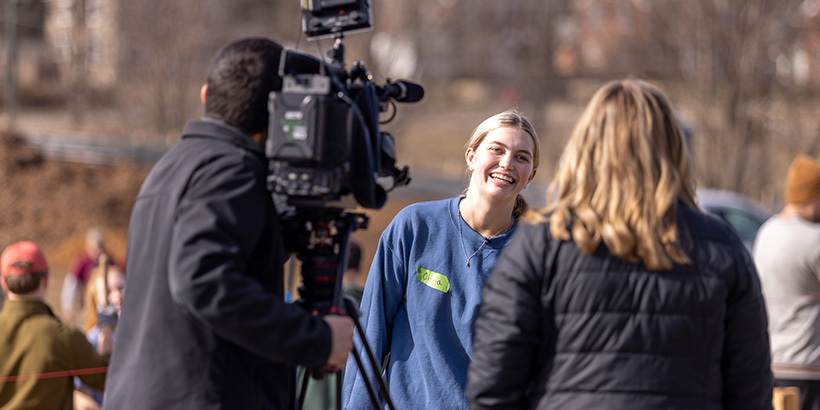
[{"x": 743, "y": 213}]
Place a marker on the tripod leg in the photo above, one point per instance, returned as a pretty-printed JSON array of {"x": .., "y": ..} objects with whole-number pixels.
[
  {"x": 338, "y": 394},
  {"x": 353, "y": 312},
  {"x": 323, "y": 238},
  {"x": 374, "y": 401},
  {"x": 303, "y": 390}
]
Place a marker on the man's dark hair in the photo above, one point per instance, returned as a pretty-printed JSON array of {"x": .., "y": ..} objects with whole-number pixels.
[
  {"x": 24, "y": 283},
  {"x": 354, "y": 255},
  {"x": 240, "y": 79}
]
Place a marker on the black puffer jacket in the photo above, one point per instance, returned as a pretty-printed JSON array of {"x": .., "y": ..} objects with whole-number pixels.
[{"x": 560, "y": 329}]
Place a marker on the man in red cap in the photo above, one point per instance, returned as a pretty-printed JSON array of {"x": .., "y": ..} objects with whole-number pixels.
[
  {"x": 38, "y": 353},
  {"x": 787, "y": 254}
]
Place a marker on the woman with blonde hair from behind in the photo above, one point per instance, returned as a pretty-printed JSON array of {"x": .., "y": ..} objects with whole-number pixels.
[{"x": 622, "y": 294}]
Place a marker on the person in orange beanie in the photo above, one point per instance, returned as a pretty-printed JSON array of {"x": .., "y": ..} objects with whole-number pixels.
[
  {"x": 40, "y": 353},
  {"x": 787, "y": 253}
]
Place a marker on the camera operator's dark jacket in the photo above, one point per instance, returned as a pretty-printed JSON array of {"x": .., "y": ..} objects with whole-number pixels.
[
  {"x": 204, "y": 323},
  {"x": 560, "y": 329}
]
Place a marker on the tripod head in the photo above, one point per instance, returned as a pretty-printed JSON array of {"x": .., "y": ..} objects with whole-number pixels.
[{"x": 319, "y": 238}]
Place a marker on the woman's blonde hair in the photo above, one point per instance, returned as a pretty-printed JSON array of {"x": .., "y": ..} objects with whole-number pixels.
[
  {"x": 514, "y": 119},
  {"x": 621, "y": 176},
  {"x": 92, "y": 295}
]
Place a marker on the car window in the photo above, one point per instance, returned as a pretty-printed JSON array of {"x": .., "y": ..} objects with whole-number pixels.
[{"x": 744, "y": 223}]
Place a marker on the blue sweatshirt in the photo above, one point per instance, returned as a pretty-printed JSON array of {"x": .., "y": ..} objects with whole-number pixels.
[{"x": 419, "y": 305}]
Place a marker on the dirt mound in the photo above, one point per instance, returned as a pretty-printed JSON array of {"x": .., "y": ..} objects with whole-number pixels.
[{"x": 53, "y": 203}]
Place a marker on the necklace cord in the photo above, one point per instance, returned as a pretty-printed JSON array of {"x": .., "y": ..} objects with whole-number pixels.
[{"x": 486, "y": 239}]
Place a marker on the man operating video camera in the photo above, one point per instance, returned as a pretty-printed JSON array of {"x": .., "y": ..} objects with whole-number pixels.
[{"x": 204, "y": 324}]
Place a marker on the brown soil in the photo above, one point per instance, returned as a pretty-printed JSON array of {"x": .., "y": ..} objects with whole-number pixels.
[{"x": 53, "y": 204}]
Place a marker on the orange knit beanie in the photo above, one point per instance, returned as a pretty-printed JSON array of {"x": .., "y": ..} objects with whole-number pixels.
[{"x": 803, "y": 181}]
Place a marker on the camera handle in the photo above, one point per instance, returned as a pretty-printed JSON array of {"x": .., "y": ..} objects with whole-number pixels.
[
  {"x": 322, "y": 238},
  {"x": 337, "y": 53}
]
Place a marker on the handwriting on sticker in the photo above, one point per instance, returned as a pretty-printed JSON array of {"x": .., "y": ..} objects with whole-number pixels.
[{"x": 434, "y": 280}]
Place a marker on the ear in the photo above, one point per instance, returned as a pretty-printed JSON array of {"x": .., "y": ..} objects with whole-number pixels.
[
  {"x": 532, "y": 175},
  {"x": 260, "y": 138},
  {"x": 3, "y": 282},
  {"x": 203, "y": 93},
  {"x": 470, "y": 157}
]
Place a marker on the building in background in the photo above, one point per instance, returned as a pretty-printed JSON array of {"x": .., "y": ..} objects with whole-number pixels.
[{"x": 83, "y": 36}]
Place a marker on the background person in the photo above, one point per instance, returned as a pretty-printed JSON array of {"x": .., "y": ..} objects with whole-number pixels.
[
  {"x": 623, "y": 295},
  {"x": 787, "y": 253},
  {"x": 204, "y": 323},
  {"x": 39, "y": 352},
  {"x": 352, "y": 278},
  {"x": 423, "y": 289},
  {"x": 76, "y": 280},
  {"x": 101, "y": 294}
]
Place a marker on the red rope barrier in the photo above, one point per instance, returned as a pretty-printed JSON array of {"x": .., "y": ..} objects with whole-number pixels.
[{"x": 51, "y": 375}]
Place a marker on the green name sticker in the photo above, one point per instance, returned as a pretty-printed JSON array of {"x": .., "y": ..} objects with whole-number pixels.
[{"x": 434, "y": 280}]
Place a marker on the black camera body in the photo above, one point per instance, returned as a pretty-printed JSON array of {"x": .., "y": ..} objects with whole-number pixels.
[
  {"x": 324, "y": 144},
  {"x": 324, "y": 141},
  {"x": 309, "y": 141}
]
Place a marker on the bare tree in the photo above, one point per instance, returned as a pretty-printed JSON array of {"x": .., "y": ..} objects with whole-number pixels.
[
  {"x": 168, "y": 46},
  {"x": 78, "y": 69},
  {"x": 725, "y": 58},
  {"x": 163, "y": 43}
]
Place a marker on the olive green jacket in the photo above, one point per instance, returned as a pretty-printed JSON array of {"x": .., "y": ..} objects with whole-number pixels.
[{"x": 37, "y": 355}]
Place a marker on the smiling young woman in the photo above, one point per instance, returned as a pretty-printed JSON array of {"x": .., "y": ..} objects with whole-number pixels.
[
  {"x": 424, "y": 287},
  {"x": 500, "y": 162}
]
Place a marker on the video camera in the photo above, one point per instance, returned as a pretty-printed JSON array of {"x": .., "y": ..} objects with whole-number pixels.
[
  {"x": 324, "y": 143},
  {"x": 324, "y": 138}
]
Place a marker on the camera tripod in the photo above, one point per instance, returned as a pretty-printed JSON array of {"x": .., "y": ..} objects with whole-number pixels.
[{"x": 321, "y": 238}]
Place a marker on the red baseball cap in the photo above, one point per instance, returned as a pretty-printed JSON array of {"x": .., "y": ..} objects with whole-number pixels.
[{"x": 24, "y": 251}]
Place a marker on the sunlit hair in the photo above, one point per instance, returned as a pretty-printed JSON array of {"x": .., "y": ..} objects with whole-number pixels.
[
  {"x": 92, "y": 296},
  {"x": 621, "y": 176},
  {"x": 513, "y": 119}
]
